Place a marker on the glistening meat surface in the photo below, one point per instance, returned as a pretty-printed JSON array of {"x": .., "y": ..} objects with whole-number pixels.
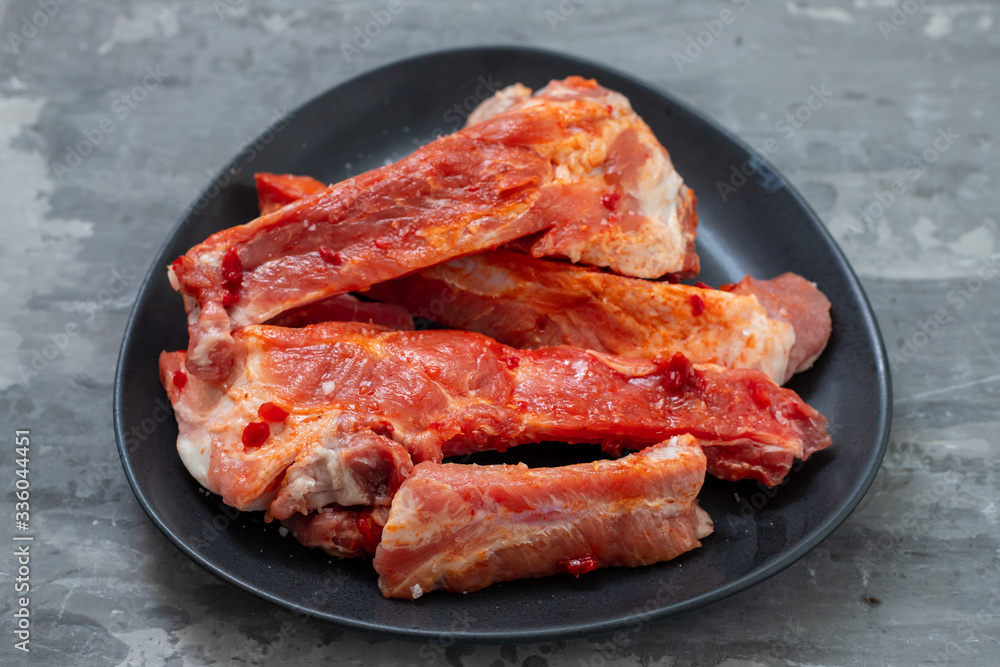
[
  {"x": 778, "y": 326},
  {"x": 463, "y": 527},
  {"x": 629, "y": 209},
  {"x": 277, "y": 190},
  {"x": 362, "y": 401},
  {"x": 455, "y": 196},
  {"x": 793, "y": 299},
  {"x": 573, "y": 159},
  {"x": 529, "y": 303}
]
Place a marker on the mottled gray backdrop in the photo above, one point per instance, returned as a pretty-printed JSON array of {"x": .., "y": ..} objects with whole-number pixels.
[{"x": 114, "y": 113}]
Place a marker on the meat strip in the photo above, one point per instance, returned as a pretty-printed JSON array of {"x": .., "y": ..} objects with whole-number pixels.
[
  {"x": 360, "y": 392},
  {"x": 526, "y": 302},
  {"x": 573, "y": 159},
  {"x": 461, "y": 528},
  {"x": 530, "y": 303},
  {"x": 793, "y": 299}
]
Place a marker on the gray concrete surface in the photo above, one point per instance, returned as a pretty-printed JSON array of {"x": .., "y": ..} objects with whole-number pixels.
[{"x": 911, "y": 578}]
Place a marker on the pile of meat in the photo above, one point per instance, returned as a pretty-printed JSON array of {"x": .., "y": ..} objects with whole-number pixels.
[{"x": 549, "y": 236}]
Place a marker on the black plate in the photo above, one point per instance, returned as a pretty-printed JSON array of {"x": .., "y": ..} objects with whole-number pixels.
[{"x": 764, "y": 228}]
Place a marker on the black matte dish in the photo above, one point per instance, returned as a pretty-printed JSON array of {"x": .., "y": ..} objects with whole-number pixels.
[{"x": 764, "y": 228}]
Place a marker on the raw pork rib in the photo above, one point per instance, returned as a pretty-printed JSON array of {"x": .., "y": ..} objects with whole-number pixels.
[
  {"x": 791, "y": 298},
  {"x": 379, "y": 225},
  {"x": 362, "y": 401},
  {"x": 463, "y": 527},
  {"x": 529, "y": 303},
  {"x": 574, "y": 159},
  {"x": 634, "y": 215},
  {"x": 275, "y": 191},
  {"x": 526, "y": 302}
]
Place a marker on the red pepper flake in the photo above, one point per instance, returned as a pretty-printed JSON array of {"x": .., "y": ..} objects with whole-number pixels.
[
  {"x": 270, "y": 412},
  {"x": 473, "y": 188},
  {"x": 371, "y": 532},
  {"x": 177, "y": 263},
  {"x": 703, "y": 285},
  {"x": 578, "y": 566},
  {"x": 610, "y": 108},
  {"x": 180, "y": 379},
  {"x": 232, "y": 277},
  {"x": 610, "y": 200},
  {"x": 697, "y": 305},
  {"x": 232, "y": 271},
  {"x": 329, "y": 256},
  {"x": 255, "y": 434},
  {"x": 677, "y": 373},
  {"x": 760, "y": 395},
  {"x": 512, "y": 362}
]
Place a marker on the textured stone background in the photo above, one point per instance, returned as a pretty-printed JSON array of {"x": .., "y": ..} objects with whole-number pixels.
[{"x": 912, "y": 577}]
